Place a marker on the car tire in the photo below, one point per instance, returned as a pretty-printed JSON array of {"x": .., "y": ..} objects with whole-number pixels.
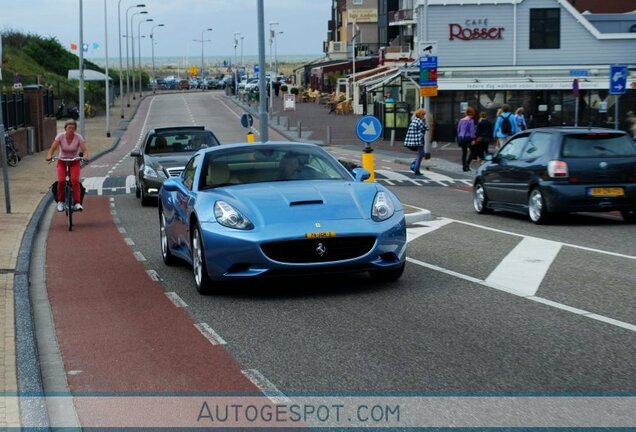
[
  {"x": 137, "y": 191},
  {"x": 166, "y": 255},
  {"x": 480, "y": 199},
  {"x": 537, "y": 208},
  {"x": 145, "y": 200},
  {"x": 387, "y": 275},
  {"x": 629, "y": 216},
  {"x": 202, "y": 281}
]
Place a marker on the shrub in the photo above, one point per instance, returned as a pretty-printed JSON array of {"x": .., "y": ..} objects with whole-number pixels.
[
  {"x": 283, "y": 87},
  {"x": 294, "y": 90}
]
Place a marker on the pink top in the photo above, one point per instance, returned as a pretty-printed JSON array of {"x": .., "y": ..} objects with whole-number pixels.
[{"x": 69, "y": 149}]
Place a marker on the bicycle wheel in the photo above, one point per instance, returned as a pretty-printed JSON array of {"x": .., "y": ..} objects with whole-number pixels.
[
  {"x": 68, "y": 199},
  {"x": 12, "y": 157}
]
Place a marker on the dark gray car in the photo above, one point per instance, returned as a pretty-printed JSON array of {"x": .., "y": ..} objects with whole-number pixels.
[
  {"x": 548, "y": 171},
  {"x": 163, "y": 153}
]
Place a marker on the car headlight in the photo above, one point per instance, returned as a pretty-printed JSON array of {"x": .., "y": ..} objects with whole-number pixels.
[
  {"x": 229, "y": 217},
  {"x": 150, "y": 172},
  {"x": 382, "y": 207}
]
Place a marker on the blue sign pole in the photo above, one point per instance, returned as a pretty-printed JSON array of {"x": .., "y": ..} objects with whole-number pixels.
[
  {"x": 368, "y": 130},
  {"x": 618, "y": 86}
]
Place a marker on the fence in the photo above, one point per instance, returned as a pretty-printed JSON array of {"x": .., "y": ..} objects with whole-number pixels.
[{"x": 14, "y": 110}]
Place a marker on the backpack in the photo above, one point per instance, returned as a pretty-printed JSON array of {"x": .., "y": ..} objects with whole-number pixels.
[{"x": 506, "y": 127}]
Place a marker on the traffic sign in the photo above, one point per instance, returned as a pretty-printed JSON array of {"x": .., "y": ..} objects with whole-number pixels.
[
  {"x": 618, "y": 79},
  {"x": 368, "y": 129},
  {"x": 426, "y": 49},
  {"x": 428, "y": 71},
  {"x": 256, "y": 71}
]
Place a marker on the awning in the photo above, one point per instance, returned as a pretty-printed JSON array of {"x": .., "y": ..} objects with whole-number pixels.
[{"x": 89, "y": 75}]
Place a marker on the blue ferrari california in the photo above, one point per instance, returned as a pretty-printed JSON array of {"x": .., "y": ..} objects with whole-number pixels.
[{"x": 246, "y": 211}]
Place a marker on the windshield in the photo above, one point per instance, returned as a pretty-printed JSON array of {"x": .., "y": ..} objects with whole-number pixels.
[
  {"x": 245, "y": 166},
  {"x": 598, "y": 145},
  {"x": 180, "y": 142}
]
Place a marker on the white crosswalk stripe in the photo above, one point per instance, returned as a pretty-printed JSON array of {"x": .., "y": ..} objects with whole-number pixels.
[{"x": 106, "y": 185}]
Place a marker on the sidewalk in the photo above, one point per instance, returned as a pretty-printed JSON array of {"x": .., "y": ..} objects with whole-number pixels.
[{"x": 29, "y": 182}]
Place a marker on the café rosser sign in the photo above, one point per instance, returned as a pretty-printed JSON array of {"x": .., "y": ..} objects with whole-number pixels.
[{"x": 473, "y": 29}]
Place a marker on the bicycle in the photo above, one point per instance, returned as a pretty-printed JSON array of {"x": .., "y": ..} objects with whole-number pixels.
[
  {"x": 12, "y": 155},
  {"x": 68, "y": 189}
]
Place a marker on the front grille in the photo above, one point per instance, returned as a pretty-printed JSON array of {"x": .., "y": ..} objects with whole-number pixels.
[
  {"x": 175, "y": 172},
  {"x": 318, "y": 250}
]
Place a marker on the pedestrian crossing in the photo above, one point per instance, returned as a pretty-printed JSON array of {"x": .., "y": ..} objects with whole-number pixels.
[{"x": 121, "y": 185}]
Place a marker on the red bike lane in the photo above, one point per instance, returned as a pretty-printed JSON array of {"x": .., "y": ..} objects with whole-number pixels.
[{"x": 117, "y": 331}]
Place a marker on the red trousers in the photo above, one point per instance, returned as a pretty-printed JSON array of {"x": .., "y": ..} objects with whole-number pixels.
[{"x": 75, "y": 180}]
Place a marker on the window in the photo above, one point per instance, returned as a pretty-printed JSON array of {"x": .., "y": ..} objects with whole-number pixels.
[
  {"x": 188, "y": 172},
  {"x": 538, "y": 146},
  {"x": 545, "y": 28},
  {"x": 512, "y": 150},
  {"x": 357, "y": 2}
]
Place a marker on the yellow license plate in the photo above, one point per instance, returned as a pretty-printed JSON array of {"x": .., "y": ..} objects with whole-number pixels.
[
  {"x": 319, "y": 235},
  {"x": 607, "y": 191}
]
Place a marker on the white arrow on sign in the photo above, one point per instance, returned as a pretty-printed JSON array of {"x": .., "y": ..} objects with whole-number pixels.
[{"x": 369, "y": 128}]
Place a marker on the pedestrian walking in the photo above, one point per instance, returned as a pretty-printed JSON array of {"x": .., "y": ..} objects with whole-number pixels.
[
  {"x": 505, "y": 125},
  {"x": 483, "y": 136},
  {"x": 466, "y": 136},
  {"x": 415, "y": 138},
  {"x": 520, "y": 120}
]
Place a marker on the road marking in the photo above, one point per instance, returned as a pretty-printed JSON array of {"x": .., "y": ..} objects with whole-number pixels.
[
  {"x": 423, "y": 228},
  {"x": 210, "y": 334},
  {"x": 129, "y": 241},
  {"x": 266, "y": 386},
  {"x": 176, "y": 300},
  {"x": 139, "y": 256},
  {"x": 525, "y": 267},
  {"x": 393, "y": 175},
  {"x": 121, "y": 230},
  {"x": 130, "y": 183},
  {"x": 437, "y": 177},
  {"x": 153, "y": 275},
  {"x": 546, "y": 302},
  {"x": 585, "y": 248}
]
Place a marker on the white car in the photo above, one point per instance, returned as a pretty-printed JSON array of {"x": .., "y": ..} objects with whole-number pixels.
[{"x": 252, "y": 84}]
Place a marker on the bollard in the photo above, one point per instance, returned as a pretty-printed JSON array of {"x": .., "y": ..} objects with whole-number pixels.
[
  {"x": 277, "y": 119},
  {"x": 392, "y": 137},
  {"x": 300, "y": 132},
  {"x": 328, "y": 134},
  {"x": 288, "y": 122},
  {"x": 367, "y": 162},
  {"x": 250, "y": 137}
]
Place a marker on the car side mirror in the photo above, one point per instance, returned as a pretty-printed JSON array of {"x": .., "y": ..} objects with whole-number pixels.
[
  {"x": 135, "y": 153},
  {"x": 361, "y": 174},
  {"x": 170, "y": 185}
]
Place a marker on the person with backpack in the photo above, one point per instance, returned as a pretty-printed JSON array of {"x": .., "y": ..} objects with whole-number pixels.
[{"x": 504, "y": 126}]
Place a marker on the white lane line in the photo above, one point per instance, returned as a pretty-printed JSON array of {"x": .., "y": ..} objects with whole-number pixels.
[
  {"x": 525, "y": 267},
  {"x": 130, "y": 183},
  {"x": 176, "y": 300},
  {"x": 585, "y": 248},
  {"x": 423, "y": 228},
  {"x": 153, "y": 275},
  {"x": 129, "y": 241},
  {"x": 266, "y": 386},
  {"x": 139, "y": 256},
  {"x": 546, "y": 302},
  {"x": 210, "y": 334},
  {"x": 392, "y": 175},
  {"x": 121, "y": 230},
  {"x": 92, "y": 183},
  {"x": 142, "y": 131},
  {"x": 437, "y": 177}
]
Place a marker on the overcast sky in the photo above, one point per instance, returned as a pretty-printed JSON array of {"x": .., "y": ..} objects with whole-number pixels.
[{"x": 303, "y": 23}]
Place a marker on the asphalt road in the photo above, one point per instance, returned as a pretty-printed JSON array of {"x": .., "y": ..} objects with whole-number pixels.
[{"x": 487, "y": 303}]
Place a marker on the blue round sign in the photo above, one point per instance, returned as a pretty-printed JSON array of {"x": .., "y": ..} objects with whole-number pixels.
[{"x": 369, "y": 129}]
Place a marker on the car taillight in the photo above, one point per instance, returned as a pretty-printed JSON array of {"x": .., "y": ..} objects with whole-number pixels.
[{"x": 558, "y": 169}]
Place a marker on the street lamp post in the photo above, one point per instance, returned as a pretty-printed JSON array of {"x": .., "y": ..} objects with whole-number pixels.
[
  {"x": 262, "y": 103},
  {"x": 81, "y": 68},
  {"x": 140, "y": 68},
  {"x": 127, "y": 66},
  {"x": 203, "y": 41},
  {"x": 242, "y": 37},
  {"x": 236, "y": 76},
  {"x": 152, "y": 42},
  {"x": 272, "y": 36},
  {"x": 107, "y": 76},
  {"x": 132, "y": 44}
]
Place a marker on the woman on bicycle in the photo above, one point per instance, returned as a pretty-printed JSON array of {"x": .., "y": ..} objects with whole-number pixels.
[{"x": 69, "y": 144}]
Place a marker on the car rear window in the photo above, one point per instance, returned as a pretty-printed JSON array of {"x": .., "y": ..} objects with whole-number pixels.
[
  {"x": 592, "y": 145},
  {"x": 180, "y": 142}
]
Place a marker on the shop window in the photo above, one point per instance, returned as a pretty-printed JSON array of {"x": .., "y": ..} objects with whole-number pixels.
[{"x": 545, "y": 28}]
